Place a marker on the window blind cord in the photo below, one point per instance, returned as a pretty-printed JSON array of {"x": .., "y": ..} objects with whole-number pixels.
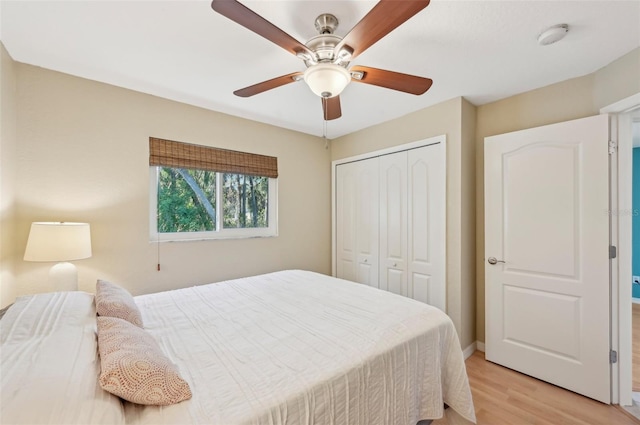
[{"x": 157, "y": 230}]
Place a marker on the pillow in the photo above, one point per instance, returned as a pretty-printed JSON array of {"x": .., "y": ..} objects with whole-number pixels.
[
  {"x": 115, "y": 301},
  {"x": 49, "y": 363},
  {"x": 135, "y": 368}
]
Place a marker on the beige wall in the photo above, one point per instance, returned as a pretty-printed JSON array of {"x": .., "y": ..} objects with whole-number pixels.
[
  {"x": 572, "y": 99},
  {"x": 100, "y": 134},
  {"x": 8, "y": 146},
  {"x": 455, "y": 119},
  {"x": 468, "y": 223},
  {"x": 466, "y": 127},
  {"x": 83, "y": 156},
  {"x": 618, "y": 80}
]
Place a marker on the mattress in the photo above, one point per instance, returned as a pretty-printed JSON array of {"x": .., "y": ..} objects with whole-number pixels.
[{"x": 296, "y": 347}]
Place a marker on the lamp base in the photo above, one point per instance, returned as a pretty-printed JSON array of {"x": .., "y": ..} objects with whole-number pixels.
[{"x": 64, "y": 277}]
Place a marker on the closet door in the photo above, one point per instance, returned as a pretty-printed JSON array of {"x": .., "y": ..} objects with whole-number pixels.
[
  {"x": 357, "y": 221},
  {"x": 426, "y": 221},
  {"x": 393, "y": 223}
]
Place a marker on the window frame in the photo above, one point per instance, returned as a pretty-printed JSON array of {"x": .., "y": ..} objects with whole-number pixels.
[{"x": 220, "y": 232}]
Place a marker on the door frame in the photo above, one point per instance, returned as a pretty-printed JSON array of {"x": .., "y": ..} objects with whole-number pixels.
[
  {"x": 394, "y": 149},
  {"x": 621, "y": 226},
  {"x": 586, "y": 138}
]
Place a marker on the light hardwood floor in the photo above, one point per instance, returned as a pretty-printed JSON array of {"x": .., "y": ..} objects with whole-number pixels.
[
  {"x": 636, "y": 347},
  {"x": 502, "y": 396}
]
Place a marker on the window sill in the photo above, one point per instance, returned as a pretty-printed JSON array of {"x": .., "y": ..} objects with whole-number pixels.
[{"x": 168, "y": 237}]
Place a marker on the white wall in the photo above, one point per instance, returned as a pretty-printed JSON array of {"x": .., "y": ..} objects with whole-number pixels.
[{"x": 83, "y": 156}]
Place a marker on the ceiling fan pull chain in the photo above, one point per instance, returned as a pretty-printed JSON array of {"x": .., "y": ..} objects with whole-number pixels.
[
  {"x": 324, "y": 122},
  {"x": 324, "y": 134}
]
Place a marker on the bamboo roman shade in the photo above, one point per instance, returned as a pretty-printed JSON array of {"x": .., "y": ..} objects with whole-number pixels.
[{"x": 167, "y": 153}]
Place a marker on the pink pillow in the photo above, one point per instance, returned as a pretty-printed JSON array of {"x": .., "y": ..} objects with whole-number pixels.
[
  {"x": 115, "y": 301},
  {"x": 135, "y": 368}
]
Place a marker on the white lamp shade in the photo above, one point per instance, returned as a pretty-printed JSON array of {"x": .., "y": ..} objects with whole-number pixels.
[
  {"x": 58, "y": 241},
  {"x": 327, "y": 79}
]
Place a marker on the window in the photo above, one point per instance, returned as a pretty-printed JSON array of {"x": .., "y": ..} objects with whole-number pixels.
[{"x": 197, "y": 192}]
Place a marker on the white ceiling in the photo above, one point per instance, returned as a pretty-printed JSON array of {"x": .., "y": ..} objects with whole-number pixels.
[{"x": 183, "y": 50}]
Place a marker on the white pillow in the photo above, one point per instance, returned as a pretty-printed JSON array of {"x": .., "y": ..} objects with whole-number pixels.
[{"x": 49, "y": 363}]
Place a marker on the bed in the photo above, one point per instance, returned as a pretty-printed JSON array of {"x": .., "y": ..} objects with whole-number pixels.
[{"x": 291, "y": 347}]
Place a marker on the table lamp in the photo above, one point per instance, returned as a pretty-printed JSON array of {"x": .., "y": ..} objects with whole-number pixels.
[{"x": 59, "y": 241}]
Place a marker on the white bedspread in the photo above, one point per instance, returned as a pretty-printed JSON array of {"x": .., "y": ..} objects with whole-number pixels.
[
  {"x": 49, "y": 363},
  {"x": 296, "y": 347}
]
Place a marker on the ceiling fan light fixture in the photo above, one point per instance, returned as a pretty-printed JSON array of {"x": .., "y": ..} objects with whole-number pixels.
[{"x": 327, "y": 79}]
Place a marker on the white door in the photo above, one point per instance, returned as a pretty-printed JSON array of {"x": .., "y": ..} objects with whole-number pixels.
[
  {"x": 393, "y": 223},
  {"x": 547, "y": 304},
  {"x": 357, "y": 221},
  {"x": 426, "y": 222}
]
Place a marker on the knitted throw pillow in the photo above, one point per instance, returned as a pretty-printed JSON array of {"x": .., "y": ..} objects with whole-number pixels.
[
  {"x": 114, "y": 301},
  {"x": 134, "y": 366}
]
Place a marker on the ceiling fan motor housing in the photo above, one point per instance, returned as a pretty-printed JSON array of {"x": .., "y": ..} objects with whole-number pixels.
[
  {"x": 326, "y": 23},
  {"x": 323, "y": 46}
]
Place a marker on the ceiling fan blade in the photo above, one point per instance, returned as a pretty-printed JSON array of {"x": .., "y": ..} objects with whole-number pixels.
[
  {"x": 331, "y": 108},
  {"x": 393, "y": 80},
  {"x": 267, "y": 85},
  {"x": 385, "y": 16},
  {"x": 246, "y": 17}
]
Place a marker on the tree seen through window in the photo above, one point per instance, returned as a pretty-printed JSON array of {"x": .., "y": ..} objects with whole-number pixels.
[{"x": 187, "y": 200}]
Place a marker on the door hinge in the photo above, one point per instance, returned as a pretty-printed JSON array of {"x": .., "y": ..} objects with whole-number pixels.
[
  {"x": 612, "y": 147},
  {"x": 613, "y": 252},
  {"x": 613, "y": 356}
]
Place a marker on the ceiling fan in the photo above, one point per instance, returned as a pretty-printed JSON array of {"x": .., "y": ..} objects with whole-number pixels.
[{"x": 327, "y": 56}]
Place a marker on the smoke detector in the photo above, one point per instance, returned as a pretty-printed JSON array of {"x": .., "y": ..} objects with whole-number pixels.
[{"x": 553, "y": 34}]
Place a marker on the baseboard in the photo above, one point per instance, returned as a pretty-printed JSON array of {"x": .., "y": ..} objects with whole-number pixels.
[
  {"x": 472, "y": 348},
  {"x": 467, "y": 352}
]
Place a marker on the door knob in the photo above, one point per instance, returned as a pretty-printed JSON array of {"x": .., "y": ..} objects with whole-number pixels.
[{"x": 493, "y": 260}]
